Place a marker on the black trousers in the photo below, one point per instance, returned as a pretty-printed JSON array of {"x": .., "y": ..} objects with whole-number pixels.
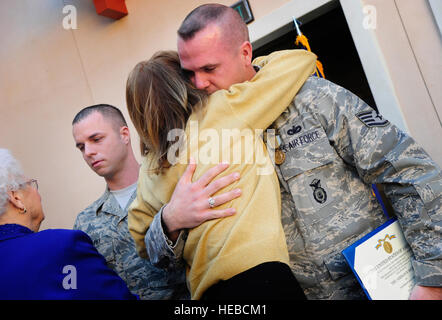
[{"x": 267, "y": 281}]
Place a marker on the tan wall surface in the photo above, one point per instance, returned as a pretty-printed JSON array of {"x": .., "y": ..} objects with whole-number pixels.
[
  {"x": 48, "y": 74},
  {"x": 411, "y": 46}
]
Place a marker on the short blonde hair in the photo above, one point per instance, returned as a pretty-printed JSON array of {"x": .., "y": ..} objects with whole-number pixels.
[{"x": 11, "y": 177}]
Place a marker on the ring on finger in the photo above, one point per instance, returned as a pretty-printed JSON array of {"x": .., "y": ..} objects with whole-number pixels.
[{"x": 211, "y": 202}]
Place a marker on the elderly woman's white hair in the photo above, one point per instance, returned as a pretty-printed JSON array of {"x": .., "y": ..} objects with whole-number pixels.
[{"x": 11, "y": 177}]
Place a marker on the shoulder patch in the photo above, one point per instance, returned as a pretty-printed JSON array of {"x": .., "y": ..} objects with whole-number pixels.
[{"x": 372, "y": 119}]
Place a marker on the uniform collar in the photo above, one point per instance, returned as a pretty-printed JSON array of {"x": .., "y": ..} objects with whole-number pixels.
[
  {"x": 107, "y": 203},
  {"x": 11, "y": 231}
]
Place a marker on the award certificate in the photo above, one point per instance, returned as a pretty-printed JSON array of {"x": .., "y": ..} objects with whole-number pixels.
[{"x": 381, "y": 261}]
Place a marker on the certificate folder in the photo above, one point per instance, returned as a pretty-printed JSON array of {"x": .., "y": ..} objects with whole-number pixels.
[{"x": 381, "y": 261}]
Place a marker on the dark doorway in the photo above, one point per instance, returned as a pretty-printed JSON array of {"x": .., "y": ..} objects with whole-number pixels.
[{"x": 330, "y": 39}]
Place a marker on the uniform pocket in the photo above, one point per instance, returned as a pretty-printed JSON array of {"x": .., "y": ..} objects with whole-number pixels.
[
  {"x": 308, "y": 166},
  {"x": 305, "y": 145}
]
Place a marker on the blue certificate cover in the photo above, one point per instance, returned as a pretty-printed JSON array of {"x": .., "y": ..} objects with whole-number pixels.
[{"x": 381, "y": 261}]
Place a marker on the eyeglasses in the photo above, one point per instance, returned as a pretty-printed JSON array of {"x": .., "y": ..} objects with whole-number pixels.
[{"x": 33, "y": 183}]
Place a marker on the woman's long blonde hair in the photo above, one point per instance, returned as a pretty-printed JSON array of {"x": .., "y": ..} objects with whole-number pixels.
[{"x": 160, "y": 98}]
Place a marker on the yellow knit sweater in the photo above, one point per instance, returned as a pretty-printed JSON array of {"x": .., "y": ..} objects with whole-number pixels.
[{"x": 219, "y": 249}]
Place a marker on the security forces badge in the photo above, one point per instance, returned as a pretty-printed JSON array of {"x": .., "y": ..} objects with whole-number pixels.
[
  {"x": 318, "y": 191},
  {"x": 372, "y": 118},
  {"x": 319, "y": 194}
]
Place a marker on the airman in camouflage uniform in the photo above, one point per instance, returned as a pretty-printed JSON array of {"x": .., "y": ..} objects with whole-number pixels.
[
  {"x": 101, "y": 134},
  {"x": 335, "y": 147},
  {"x": 106, "y": 224}
]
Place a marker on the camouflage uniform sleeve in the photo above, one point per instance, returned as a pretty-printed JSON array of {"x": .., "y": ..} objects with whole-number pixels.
[
  {"x": 381, "y": 153},
  {"x": 161, "y": 251}
]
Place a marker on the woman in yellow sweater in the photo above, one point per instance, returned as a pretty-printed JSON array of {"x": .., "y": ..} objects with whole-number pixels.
[{"x": 250, "y": 246}]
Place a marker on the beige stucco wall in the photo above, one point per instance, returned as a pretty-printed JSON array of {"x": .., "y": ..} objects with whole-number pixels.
[
  {"x": 49, "y": 73},
  {"x": 411, "y": 46}
]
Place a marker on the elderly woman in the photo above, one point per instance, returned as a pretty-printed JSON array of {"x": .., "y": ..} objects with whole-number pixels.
[{"x": 51, "y": 264}]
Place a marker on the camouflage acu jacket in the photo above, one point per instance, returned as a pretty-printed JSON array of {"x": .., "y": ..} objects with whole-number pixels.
[
  {"x": 106, "y": 224},
  {"x": 335, "y": 147}
]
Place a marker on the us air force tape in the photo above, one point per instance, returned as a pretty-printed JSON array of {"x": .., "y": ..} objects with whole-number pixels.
[{"x": 372, "y": 118}]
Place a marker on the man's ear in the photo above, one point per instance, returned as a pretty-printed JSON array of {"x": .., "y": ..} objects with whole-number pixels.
[
  {"x": 246, "y": 52},
  {"x": 125, "y": 134},
  {"x": 16, "y": 199}
]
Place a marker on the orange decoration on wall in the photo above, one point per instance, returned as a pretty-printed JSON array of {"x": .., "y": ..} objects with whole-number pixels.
[{"x": 114, "y": 9}]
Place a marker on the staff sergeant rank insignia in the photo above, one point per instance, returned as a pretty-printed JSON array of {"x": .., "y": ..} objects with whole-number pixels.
[{"x": 372, "y": 119}]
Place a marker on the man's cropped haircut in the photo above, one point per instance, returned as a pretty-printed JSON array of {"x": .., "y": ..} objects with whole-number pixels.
[
  {"x": 107, "y": 111},
  {"x": 205, "y": 14}
]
